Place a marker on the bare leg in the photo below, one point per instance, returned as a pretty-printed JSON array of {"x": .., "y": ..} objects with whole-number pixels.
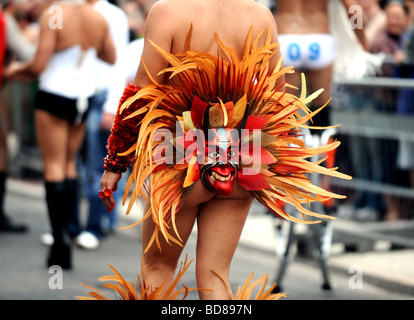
[
  {"x": 220, "y": 223},
  {"x": 317, "y": 79},
  {"x": 164, "y": 262},
  {"x": 76, "y": 136},
  {"x": 59, "y": 142},
  {"x": 160, "y": 265},
  {"x": 52, "y": 135},
  {"x": 294, "y": 79}
]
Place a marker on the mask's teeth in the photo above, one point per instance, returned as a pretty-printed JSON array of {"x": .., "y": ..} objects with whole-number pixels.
[
  {"x": 217, "y": 176},
  {"x": 212, "y": 178}
]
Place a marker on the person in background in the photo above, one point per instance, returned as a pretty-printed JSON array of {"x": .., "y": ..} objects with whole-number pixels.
[
  {"x": 98, "y": 127},
  {"x": 307, "y": 44},
  {"x": 135, "y": 19},
  {"x": 64, "y": 63},
  {"x": 14, "y": 46},
  {"x": 389, "y": 41},
  {"x": 144, "y": 7},
  {"x": 375, "y": 20},
  {"x": 18, "y": 45},
  {"x": 6, "y": 223},
  {"x": 308, "y": 36},
  {"x": 405, "y": 101}
]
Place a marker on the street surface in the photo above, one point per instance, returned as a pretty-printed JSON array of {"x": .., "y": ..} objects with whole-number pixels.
[{"x": 24, "y": 275}]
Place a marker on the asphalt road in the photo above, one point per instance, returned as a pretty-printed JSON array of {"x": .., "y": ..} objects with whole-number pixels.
[{"x": 24, "y": 275}]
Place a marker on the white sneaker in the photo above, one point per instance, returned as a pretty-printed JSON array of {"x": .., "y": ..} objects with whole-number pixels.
[
  {"x": 87, "y": 240},
  {"x": 46, "y": 239}
]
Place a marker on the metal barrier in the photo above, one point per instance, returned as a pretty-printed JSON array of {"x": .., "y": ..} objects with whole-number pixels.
[
  {"x": 319, "y": 234},
  {"x": 374, "y": 124},
  {"x": 365, "y": 125}
]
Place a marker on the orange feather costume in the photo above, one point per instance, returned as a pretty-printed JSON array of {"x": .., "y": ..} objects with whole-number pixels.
[
  {"x": 224, "y": 92},
  {"x": 255, "y": 140}
]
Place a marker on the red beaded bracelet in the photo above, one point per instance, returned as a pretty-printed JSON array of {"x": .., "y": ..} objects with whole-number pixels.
[{"x": 115, "y": 164}]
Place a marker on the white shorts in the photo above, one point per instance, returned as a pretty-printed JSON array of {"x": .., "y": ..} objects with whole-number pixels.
[{"x": 307, "y": 51}]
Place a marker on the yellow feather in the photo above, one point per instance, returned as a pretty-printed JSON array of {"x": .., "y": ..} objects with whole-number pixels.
[{"x": 239, "y": 109}]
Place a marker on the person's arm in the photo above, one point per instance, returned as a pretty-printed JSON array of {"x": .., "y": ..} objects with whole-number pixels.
[
  {"x": 360, "y": 34},
  {"x": 126, "y": 68},
  {"x": 18, "y": 44},
  {"x": 107, "y": 50},
  {"x": 123, "y": 136},
  {"x": 45, "y": 49},
  {"x": 158, "y": 30},
  {"x": 124, "y": 133}
]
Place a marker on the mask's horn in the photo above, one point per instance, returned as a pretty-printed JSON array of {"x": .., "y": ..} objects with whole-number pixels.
[
  {"x": 243, "y": 121},
  {"x": 206, "y": 121}
]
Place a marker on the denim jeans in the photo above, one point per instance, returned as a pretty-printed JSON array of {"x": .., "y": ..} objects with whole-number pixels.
[{"x": 95, "y": 151}]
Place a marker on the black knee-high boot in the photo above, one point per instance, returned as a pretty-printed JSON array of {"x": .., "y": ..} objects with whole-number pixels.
[
  {"x": 60, "y": 252},
  {"x": 72, "y": 206}
]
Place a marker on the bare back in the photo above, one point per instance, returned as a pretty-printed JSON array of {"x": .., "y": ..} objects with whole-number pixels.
[
  {"x": 65, "y": 25},
  {"x": 77, "y": 27},
  {"x": 169, "y": 21},
  {"x": 302, "y": 16},
  {"x": 167, "y": 26},
  {"x": 307, "y": 17}
]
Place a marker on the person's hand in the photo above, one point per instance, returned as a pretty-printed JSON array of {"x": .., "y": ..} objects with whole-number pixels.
[
  {"x": 16, "y": 71},
  {"x": 13, "y": 69},
  {"x": 109, "y": 184}
]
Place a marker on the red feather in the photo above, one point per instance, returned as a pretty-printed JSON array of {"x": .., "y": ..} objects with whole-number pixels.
[
  {"x": 250, "y": 181},
  {"x": 254, "y": 122},
  {"x": 197, "y": 111}
]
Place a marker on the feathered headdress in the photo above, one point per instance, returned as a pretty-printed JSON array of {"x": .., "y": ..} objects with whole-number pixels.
[{"x": 237, "y": 100}]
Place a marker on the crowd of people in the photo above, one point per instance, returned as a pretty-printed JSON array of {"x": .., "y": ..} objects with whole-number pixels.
[
  {"x": 310, "y": 41},
  {"x": 87, "y": 68},
  {"x": 383, "y": 160}
]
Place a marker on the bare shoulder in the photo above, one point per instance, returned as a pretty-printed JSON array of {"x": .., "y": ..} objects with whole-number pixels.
[
  {"x": 252, "y": 14},
  {"x": 177, "y": 12},
  {"x": 50, "y": 20},
  {"x": 93, "y": 15},
  {"x": 164, "y": 9},
  {"x": 49, "y": 13},
  {"x": 260, "y": 13},
  {"x": 163, "y": 16},
  {"x": 252, "y": 4}
]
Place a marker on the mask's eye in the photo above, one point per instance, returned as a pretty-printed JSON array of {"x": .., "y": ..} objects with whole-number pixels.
[
  {"x": 231, "y": 154},
  {"x": 213, "y": 154}
]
